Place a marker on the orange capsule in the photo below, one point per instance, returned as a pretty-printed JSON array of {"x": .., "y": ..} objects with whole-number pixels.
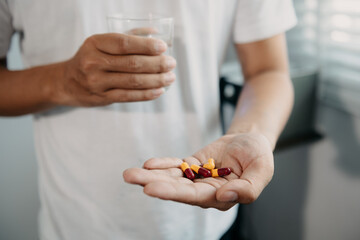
[
  {"x": 200, "y": 170},
  {"x": 187, "y": 170},
  {"x": 210, "y": 164},
  {"x": 220, "y": 172}
]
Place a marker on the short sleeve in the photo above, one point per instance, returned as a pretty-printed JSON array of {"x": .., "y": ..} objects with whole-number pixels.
[
  {"x": 260, "y": 19},
  {"x": 6, "y": 28}
]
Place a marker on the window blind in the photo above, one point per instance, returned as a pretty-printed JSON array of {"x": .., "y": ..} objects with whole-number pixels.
[
  {"x": 327, "y": 39},
  {"x": 302, "y": 40}
]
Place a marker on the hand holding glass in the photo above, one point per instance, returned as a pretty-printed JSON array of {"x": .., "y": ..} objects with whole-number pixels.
[{"x": 144, "y": 25}]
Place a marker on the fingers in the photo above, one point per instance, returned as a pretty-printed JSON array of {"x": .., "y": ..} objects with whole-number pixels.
[
  {"x": 111, "y": 68},
  {"x": 143, "y": 176},
  {"x": 169, "y": 184},
  {"x": 115, "y": 43},
  {"x": 162, "y": 163},
  {"x": 139, "y": 64},
  {"x": 123, "y": 95},
  {"x": 200, "y": 194},
  {"x": 192, "y": 160},
  {"x": 113, "y": 80},
  {"x": 248, "y": 188},
  {"x": 237, "y": 190}
]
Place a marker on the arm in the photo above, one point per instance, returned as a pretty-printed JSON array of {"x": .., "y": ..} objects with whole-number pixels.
[
  {"x": 267, "y": 97},
  {"x": 28, "y": 91},
  {"x": 107, "y": 68},
  {"x": 263, "y": 108}
]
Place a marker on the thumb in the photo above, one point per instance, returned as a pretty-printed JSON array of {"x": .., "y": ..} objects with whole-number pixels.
[
  {"x": 248, "y": 188},
  {"x": 238, "y": 190}
]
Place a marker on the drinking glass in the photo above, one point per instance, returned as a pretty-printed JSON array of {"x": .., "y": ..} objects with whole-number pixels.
[{"x": 144, "y": 25}]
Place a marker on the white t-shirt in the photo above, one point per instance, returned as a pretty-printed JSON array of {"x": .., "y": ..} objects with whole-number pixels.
[{"x": 82, "y": 152}]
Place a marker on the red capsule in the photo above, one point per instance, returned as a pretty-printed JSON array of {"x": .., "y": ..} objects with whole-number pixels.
[
  {"x": 200, "y": 170},
  {"x": 187, "y": 170},
  {"x": 220, "y": 172}
]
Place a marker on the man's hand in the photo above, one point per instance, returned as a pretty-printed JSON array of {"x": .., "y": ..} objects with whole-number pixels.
[
  {"x": 114, "y": 67},
  {"x": 107, "y": 68},
  {"x": 248, "y": 155}
]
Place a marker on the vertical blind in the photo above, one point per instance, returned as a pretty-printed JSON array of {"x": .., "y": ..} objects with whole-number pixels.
[
  {"x": 327, "y": 39},
  {"x": 303, "y": 39}
]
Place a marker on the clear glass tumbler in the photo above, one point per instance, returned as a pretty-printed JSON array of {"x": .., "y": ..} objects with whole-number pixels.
[{"x": 144, "y": 25}]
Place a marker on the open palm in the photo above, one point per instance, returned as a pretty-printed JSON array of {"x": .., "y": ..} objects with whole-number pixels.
[{"x": 249, "y": 156}]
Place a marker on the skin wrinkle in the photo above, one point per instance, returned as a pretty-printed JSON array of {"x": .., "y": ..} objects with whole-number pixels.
[
  {"x": 244, "y": 145},
  {"x": 134, "y": 81},
  {"x": 196, "y": 193},
  {"x": 232, "y": 176},
  {"x": 174, "y": 172},
  {"x": 123, "y": 43},
  {"x": 234, "y": 155},
  {"x": 105, "y": 61},
  {"x": 215, "y": 182}
]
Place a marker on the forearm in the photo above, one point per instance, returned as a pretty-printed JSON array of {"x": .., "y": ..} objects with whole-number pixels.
[
  {"x": 28, "y": 91},
  {"x": 264, "y": 105}
]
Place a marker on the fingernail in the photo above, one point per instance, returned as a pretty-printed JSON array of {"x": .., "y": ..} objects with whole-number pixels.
[
  {"x": 160, "y": 46},
  {"x": 158, "y": 92},
  {"x": 171, "y": 62},
  {"x": 170, "y": 77},
  {"x": 229, "y": 197}
]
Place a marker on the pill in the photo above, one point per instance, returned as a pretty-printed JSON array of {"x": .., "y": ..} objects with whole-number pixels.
[
  {"x": 187, "y": 170},
  {"x": 220, "y": 172},
  {"x": 210, "y": 164},
  {"x": 200, "y": 170}
]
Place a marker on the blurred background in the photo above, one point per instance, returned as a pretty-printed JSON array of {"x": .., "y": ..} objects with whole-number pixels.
[{"x": 315, "y": 192}]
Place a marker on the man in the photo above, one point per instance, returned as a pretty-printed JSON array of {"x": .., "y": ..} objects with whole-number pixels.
[{"x": 100, "y": 108}]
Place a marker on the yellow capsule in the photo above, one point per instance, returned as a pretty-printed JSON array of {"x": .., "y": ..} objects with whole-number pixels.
[
  {"x": 214, "y": 173},
  {"x": 186, "y": 169},
  {"x": 210, "y": 164},
  {"x": 184, "y": 166}
]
